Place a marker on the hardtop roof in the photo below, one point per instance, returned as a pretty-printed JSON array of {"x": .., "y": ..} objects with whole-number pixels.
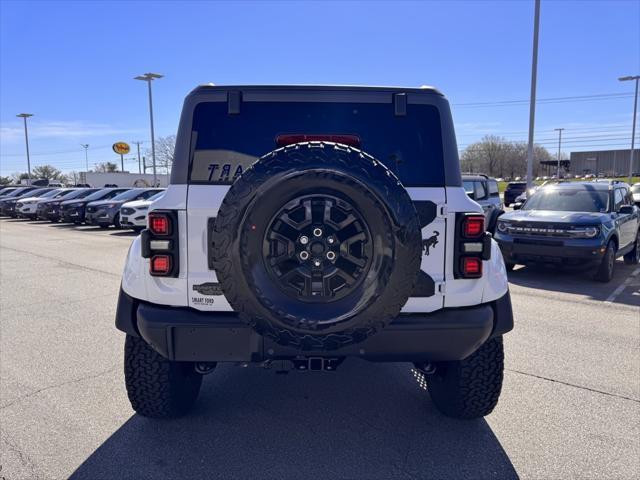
[{"x": 210, "y": 87}]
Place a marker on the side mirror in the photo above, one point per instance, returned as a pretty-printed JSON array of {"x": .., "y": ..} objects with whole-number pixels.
[
  {"x": 517, "y": 206},
  {"x": 626, "y": 210}
]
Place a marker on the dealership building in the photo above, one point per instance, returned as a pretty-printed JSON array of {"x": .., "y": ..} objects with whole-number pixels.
[{"x": 606, "y": 162}]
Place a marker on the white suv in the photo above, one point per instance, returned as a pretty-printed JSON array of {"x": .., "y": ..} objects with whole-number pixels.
[
  {"x": 307, "y": 225},
  {"x": 134, "y": 214}
]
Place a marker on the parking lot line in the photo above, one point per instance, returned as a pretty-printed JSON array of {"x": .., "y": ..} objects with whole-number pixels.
[{"x": 611, "y": 298}]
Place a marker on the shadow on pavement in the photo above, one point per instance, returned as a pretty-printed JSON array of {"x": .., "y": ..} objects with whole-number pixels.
[
  {"x": 370, "y": 421},
  {"x": 125, "y": 233},
  {"x": 579, "y": 282}
]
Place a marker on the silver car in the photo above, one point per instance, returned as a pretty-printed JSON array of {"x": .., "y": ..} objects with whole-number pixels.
[{"x": 484, "y": 190}]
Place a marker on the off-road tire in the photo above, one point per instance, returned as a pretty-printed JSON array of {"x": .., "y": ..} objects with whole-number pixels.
[
  {"x": 157, "y": 387},
  {"x": 311, "y": 167},
  {"x": 633, "y": 257},
  {"x": 469, "y": 388},
  {"x": 605, "y": 270}
]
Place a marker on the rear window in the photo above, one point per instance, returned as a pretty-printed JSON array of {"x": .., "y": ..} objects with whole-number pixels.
[{"x": 226, "y": 145}]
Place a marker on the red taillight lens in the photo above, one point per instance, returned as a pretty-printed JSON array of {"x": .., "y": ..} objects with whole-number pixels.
[
  {"x": 159, "y": 224},
  {"x": 471, "y": 267},
  {"x": 473, "y": 226},
  {"x": 290, "y": 139},
  {"x": 160, "y": 264}
]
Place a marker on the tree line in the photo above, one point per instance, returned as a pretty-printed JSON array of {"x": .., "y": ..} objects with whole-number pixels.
[
  {"x": 165, "y": 147},
  {"x": 498, "y": 157}
]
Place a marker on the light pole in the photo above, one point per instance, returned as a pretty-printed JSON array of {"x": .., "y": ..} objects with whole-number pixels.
[
  {"x": 532, "y": 100},
  {"x": 139, "y": 163},
  {"x": 24, "y": 116},
  {"x": 86, "y": 155},
  {"x": 150, "y": 77},
  {"x": 559, "y": 130},
  {"x": 633, "y": 128}
]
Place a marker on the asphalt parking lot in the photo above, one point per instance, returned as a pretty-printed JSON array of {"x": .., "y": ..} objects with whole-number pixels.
[{"x": 570, "y": 406}]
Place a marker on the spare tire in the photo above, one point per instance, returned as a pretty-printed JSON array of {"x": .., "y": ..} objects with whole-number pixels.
[{"x": 317, "y": 245}]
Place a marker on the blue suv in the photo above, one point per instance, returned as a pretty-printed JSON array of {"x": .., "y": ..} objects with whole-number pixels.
[{"x": 586, "y": 224}]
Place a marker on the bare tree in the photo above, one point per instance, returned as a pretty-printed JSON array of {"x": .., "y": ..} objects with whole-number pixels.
[
  {"x": 165, "y": 151},
  {"x": 105, "y": 167},
  {"x": 19, "y": 176},
  {"x": 496, "y": 156},
  {"x": 72, "y": 178}
]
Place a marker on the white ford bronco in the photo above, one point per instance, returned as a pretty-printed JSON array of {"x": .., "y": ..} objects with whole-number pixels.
[{"x": 308, "y": 224}]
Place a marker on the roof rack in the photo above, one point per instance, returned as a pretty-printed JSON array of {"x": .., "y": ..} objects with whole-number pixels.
[{"x": 476, "y": 174}]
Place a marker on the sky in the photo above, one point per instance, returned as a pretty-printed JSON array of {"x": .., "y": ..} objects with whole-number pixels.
[{"x": 72, "y": 65}]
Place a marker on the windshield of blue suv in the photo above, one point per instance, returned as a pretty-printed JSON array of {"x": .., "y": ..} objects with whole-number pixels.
[
  {"x": 226, "y": 145},
  {"x": 566, "y": 200}
]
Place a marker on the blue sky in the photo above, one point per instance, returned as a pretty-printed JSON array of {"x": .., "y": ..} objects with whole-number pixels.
[{"x": 72, "y": 64}]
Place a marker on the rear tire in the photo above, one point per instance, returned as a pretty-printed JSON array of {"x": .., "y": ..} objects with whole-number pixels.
[
  {"x": 469, "y": 388},
  {"x": 633, "y": 257},
  {"x": 605, "y": 270},
  {"x": 157, "y": 387}
]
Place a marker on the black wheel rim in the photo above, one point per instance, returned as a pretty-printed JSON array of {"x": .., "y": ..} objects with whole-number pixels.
[{"x": 317, "y": 248}]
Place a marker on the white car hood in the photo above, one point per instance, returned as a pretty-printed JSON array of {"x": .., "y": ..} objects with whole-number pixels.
[{"x": 137, "y": 204}]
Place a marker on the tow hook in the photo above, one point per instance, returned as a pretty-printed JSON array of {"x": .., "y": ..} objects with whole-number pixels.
[
  {"x": 425, "y": 368},
  {"x": 204, "y": 368}
]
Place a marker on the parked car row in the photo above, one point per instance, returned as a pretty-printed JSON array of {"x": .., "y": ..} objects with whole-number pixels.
[{"x": 93, "y": 206}]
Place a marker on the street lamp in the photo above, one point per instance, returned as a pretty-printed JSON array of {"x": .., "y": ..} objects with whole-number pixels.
[
  {"x": 86, "y": 155},
  {"x": 559, "y": 130},
  {"x": 532, "y": 98},
  {"x": 633, "y": 128},
  {"x": 150, "y": 77},
  {"x": 24, "y": 116}
]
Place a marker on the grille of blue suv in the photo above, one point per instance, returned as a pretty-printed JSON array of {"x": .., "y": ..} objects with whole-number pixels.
[{"x": 547, "y": 230}]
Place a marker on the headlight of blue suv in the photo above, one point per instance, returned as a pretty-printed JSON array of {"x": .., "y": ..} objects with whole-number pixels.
[
  {"x": 503, "y": 226},
  {"x": 591, "y": 232}
]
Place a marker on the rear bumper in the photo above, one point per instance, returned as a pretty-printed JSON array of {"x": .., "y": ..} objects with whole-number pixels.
[{"x": 185, "y": 334}]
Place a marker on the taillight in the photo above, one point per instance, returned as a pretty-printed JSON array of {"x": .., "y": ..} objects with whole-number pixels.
[
  {"x": 160, "y": 265},
  {"x": 159, "y": 224},
  {"x": 473, "y": 226},
  {"x": 471, "y": 267},
  {"x": 160, "y": 243},
  {"x": 473, "y": 245},
  {"x": 290, "y": 139}
]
